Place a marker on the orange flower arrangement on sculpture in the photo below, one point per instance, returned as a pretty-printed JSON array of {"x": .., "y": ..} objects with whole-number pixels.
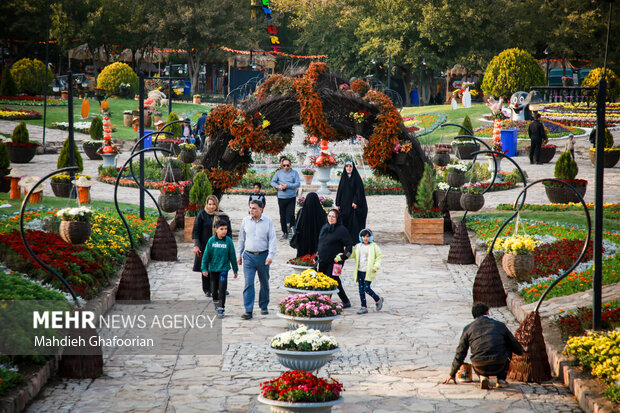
[
  {"x": 311, "y": 106},
  {"x": 359, "y": 86},
  {"x": 385, "y": 133},
  {"x": 265, "y": 88},
  {"x": 222, "y": 179}
]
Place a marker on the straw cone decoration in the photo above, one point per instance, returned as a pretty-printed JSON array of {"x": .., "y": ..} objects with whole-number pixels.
[
  {"x": 460, "y": 248},
  {"x": 87, "y": 362},
  {"x": 488, "y": 287},
  {"x": 534, "y": 364},
  {"x": 134, "y": 285},
  {"x": 164, "y": 246}
]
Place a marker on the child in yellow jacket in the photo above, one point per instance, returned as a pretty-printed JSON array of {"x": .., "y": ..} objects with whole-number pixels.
[{"x": 368, "y": 259}]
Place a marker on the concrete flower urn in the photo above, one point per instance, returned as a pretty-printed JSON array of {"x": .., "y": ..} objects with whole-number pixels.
[{"x": 304, "y": 360}]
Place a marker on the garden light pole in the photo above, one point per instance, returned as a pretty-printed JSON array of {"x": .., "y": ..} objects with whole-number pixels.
[
  {"x": 422, "y": 64},
  {"x": 547, "y": 52},
  {"x": 141, "y": 133},
  {"x": 389, "y": 70},
  {"x": 71, "y": 139},
  {"x": 47, "y": 48}
]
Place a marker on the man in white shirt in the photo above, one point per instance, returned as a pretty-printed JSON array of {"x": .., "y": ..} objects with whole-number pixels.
[{"x": 256, "y": 249}]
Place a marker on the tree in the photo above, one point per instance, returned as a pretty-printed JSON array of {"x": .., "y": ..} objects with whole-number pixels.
[
  {"x": 8, "y": 86},
  {"x": 199, "y": 27},
  {"x": 63, "y": 157},
  {"x": 511, "y": 71}
]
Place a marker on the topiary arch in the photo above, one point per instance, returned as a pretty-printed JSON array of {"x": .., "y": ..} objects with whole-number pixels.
[{"x": 323, "y": 102}]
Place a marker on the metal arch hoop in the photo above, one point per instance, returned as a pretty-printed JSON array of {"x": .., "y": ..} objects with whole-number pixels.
[
  {"x": 25, "y": 241},
  {"x": 118, "y": 178}
]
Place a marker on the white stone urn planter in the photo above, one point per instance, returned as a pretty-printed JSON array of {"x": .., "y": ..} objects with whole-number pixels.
[
  {"x": 287, "y": 407},
  {"x": 316, "y": 323},
  {"x": 304, "y": 360}
]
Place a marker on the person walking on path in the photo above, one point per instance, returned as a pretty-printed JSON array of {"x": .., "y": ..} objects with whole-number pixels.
[
  {"x": 257, "y": 247},
  {"x": 286, "y": 181},
  {"x": 335, "y": 246},
  {"x": 310, "y": 219},
  {"x": 570, "y": 145},
  {"x": 538, "y": 136},
  {"x": 218, "y": 258},
  {"x": 368, "y": 257},
  {"x": 491, "y": 345},
  {"x": 199, "y": 131},
  {"x": 202, "y": 232},
  {"x": 351, "y": 200}
]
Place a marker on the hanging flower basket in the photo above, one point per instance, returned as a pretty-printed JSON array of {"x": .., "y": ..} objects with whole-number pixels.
[
  {"x": 171, "y": 174},
  {"x": 454, "y": 199},
  {"x": 188, "y": 156},
  {"x": 170, "y": 203},
  {"x": 75, "y": 232},
  {"x": 441, "y": 159},
  {"x": 455, "y": 179},
  {"x": 465, "y": 151},
  {"x": 472, "y": 202},
  {"x": 518, "y": 266},
  {"x": 61, "y": 189}
]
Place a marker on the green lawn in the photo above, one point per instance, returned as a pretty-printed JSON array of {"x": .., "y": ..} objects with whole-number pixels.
[
  {"x": 54, "y": 202},
  {"x": 445, "y": 135},
  {"x": 117, "y": 107}
]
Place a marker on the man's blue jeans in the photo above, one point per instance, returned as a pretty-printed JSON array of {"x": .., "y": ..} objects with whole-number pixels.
[{"x": 253, "y": 264}]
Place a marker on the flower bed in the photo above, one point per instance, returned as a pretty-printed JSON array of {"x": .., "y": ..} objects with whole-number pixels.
[
  {"x": 30, "y": 101},
  {"x": 424, "y": 123},
  {"x": 325, "y": 202},
  {"x": 248, "y": 191},
  {"x": 313, "y": 305},
  {"x": 311, "y": 280},
  {"x": 298, "y": 386},
  {"x": 580, "y": 114},
  {"x": 303, "y": 339},
  {"x": 554, "y": 129},
  {"x": 598, "y": 352},
  {"x": 577, "y": 322},
  {"x": 18, "y": 114}
]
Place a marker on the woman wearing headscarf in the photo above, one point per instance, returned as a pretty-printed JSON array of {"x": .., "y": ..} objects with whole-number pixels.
[
  {"x": 310, "y": 220},
  {"x": 351, "y": 200},
  {"x": 202, "y": 231},
  {"x": 335, "y": 246}
]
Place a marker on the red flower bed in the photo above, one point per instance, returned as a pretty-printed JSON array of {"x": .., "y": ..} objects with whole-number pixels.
[
  {"x": 549, "y": 259},
  {"x": 23, "y": 97},
  {"x": 576, "y": 324},
  {"x": 85, "y": 272}
]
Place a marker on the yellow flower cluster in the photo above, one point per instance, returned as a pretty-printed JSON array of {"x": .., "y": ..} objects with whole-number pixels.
[
  {"x": 600, "y": 352},
  {"x": 612, "y": 149},
  {"x": 311, "y": 280},
  {"x": 517, "y": 245}
]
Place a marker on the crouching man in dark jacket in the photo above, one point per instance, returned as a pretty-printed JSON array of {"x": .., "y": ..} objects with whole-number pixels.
[{"x": 491, "y": 345}]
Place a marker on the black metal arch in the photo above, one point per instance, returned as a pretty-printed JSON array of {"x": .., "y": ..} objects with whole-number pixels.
[
  {"x": 118, "y": 179},
  {"x": 25, "y": 241}
]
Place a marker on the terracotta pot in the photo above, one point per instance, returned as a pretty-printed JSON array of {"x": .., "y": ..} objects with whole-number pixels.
[
  {"x": 308, "y": 179},
  {"x": 74, "y": 232},
  {"x": 518, "y": 266}
]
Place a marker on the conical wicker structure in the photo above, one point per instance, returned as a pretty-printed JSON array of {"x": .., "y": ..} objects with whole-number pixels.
[
  {"x": 488, "y": 287},
  {"x": 164, "y": 246},
  {"x": 179, "y": 218},
  {"x": 460, "y": 248},
  {"x": 445, "y": 211},
  {"x": 534, "y": 364},
  {"x": 134, "y": 285},
  {"x": 87, "y": 362}
]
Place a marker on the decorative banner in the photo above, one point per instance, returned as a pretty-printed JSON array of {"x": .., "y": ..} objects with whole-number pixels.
[{"x": 272, "y": 30}]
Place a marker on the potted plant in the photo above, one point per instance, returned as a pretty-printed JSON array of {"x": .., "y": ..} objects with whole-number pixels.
[
  {"x": 188, "y": 152},
  {"x": 75, "y": 224},
  {"x": 313, "y": 310},
  {"x": 127, "y": 118},
  {"x": 300, "y": 391},
  {"x": 455, "y": 176},
  {"x": 5, "y": 162},
  {"x": 301, "y": 156},
  {"x": 64, "y": 94},
  {"x": 95, "y": 142},
  {"x": 21, "y": 150},
  {"x": 196, "y": 99},
  {"x": 325, "y": 202},
  {"x": 612, "y": 153},
  {"x": 172, "y": 170},
  {"x": 471, "y": 197},
  {"x": 302, "y": 263},
  {"x": 303, "y": 349},
  {"x": 464, "y": 148},
  {"x": 201, "y": 188},
  {"x": 442, "y": 156},
  {"x": 518, "y": 261},
  {"x": 310, "y": 280},
  {"x": 170, "y": 197},
  {"x": 61, "y": 185},
  {"x": 308, "y": 174},
  {"x": 423, "y": 222},
  {"x": 454, "y": 197},
  {"x": 547, "y": 152},
  {"x": 63, "y": 157},
  {"x": 109, "y": 152},
  {"x": 566, "y": 170}
]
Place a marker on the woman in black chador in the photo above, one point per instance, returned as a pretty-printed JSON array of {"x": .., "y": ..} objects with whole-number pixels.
[
  {"x": 351, "y": 200},
  {"x": 310, "y": 220},
  {"x": 335, "y": 246}
]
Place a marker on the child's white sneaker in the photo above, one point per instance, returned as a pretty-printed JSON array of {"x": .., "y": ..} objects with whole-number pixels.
[{"x": 362, "y": 310}]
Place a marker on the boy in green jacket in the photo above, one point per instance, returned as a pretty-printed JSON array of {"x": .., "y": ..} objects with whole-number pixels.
[
  {"x": 368, "y": 258},
  {"x": 217, "y": 259}
]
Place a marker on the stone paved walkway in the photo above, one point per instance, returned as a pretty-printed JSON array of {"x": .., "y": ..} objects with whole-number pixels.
[{"x": 391, "y": 360}]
